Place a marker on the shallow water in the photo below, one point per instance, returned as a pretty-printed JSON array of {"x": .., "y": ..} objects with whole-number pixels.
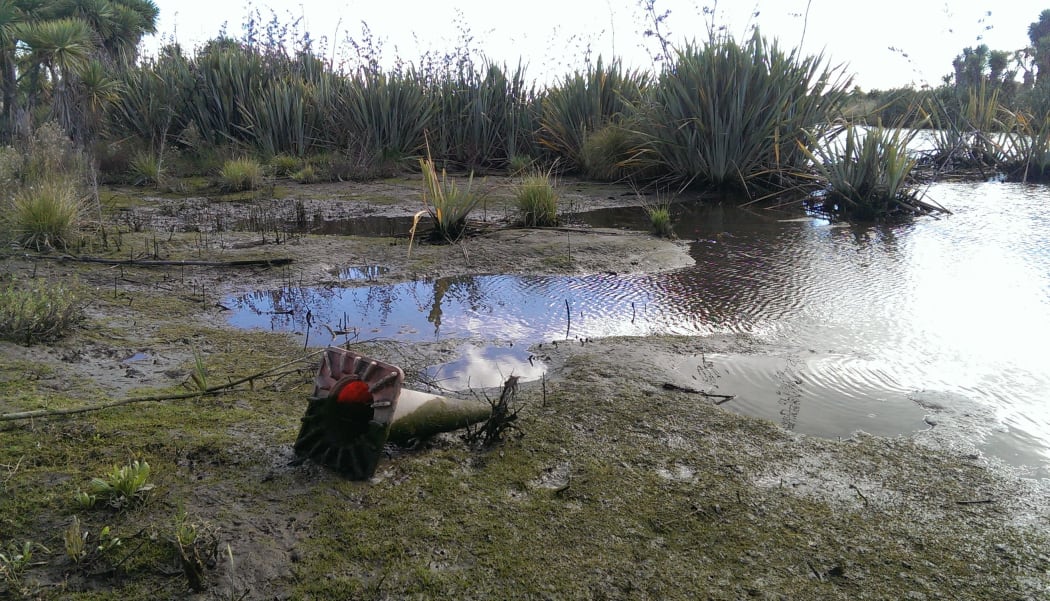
[{"x": 861, "y": 327}]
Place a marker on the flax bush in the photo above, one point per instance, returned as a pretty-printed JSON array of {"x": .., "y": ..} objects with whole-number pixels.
[
  {"x": 583, "y": 104},
  {"x": 868, "y": 175},
  {"x": 447, "y": 203},
  {"x": 738, "y": 115}
]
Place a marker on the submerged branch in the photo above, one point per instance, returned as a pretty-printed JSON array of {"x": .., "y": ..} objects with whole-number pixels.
[{"x": 719, "y": 398}]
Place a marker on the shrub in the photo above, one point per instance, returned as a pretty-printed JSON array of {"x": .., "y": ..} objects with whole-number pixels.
[
  {"x": 963, "y": 135},
  {"x": 11, "y": 164},
  {"x": 145, "y": 169},
  {"x": 238, "y": 175},
  {"x": 1024, "y": 153},
  {"x": 736, "y": 115},
  {"x": 46, "y": 215},
  {"x": 51, "y": 153},
  {"x": 537, "y": 200},
  {"x": 38, "y": 311},
  {"x": 584, "y": 103},
  {"x": 519, "y": 164}
]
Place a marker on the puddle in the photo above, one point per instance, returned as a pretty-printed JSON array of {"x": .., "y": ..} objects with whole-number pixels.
[
  {"x": 367, "y": 273},
  {"x": 855, "y": 320},
  {"x": 136, "y": 358},
  {"x": 373, "y": 226}
]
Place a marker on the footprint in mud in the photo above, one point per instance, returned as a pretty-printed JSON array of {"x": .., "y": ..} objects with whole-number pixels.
[{"x": 789, "y": 392}]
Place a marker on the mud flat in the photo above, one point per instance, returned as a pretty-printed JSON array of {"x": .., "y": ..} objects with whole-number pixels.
[{"x": 615, "y": 486}]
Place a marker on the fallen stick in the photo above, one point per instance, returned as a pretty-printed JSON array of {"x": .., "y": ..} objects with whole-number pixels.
[
  {"x": 277, "y": 262},
  {"x": 213, "y": 390},
  {"x": 721, "y": 398}
]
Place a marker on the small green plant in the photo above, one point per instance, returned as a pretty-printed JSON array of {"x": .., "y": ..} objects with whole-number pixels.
[
  {"x": 38, "y": 311},
  {"x": 284, "y": 165},
  {"x": 107, "y": 541},
  {"x": 446, "y": 202},
  {"x": 84, "y": 500},
  {"x": 199, "y": 376},
  {"x": 75, "y": 540},
  {"x": 83, "y": 551},
  {"x": 46, "y": 215},
  {"x": 15, "y": 559},
  {"x": 145, "y": 169},
  {"x": 238, "y": 175},
  {"x": 124, "y": 484},
  {"x": 537, "y": 200},
  {"x": 519, "y": 164},
  {"x": 197, "y": 546},
  {"x": 660, "y": 219}
]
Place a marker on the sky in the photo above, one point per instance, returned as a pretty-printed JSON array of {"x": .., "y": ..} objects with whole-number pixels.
[{"x": 884, "y": 44}]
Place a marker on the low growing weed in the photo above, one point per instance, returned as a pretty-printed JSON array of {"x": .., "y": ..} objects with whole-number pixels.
[
  {"x": 15, "y": 559},
  {"x": 38, "y": 311},
  {"x": 239, "y": 175},
  {"x": 122, "y": 486}
]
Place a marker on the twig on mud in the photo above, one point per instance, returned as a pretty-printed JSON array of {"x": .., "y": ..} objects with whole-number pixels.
[
  {"x": 500, "y": 421},
  {"x": 975, "y": 501},
  {"x": 720, "y": 398},
  {"x": 276, "y": 262},
  {"x": 220, "y": 389},
  {"x": 859, "y": 494}
]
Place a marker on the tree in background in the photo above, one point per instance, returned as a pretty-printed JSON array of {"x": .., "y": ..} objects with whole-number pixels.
[
  {"x": 1039, "y": 34},
  {"x": 55, "y": 57},
  {"x": 981, "y": 66}
]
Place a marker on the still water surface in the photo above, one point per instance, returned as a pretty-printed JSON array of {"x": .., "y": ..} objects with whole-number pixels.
[{"x": 860, "y": 327}]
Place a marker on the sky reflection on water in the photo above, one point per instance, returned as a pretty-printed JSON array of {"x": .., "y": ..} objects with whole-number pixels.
[{"x": 859, "y": 321}]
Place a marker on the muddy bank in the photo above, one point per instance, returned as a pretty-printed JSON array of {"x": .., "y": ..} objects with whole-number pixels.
[{"x": 616, "y": 487}]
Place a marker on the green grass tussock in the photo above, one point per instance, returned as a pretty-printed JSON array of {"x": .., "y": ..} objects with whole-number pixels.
[
  {"x": 537, "y": 200},
  {"x": 239, "y": 175},
  {"x": 46, "y": 215}
]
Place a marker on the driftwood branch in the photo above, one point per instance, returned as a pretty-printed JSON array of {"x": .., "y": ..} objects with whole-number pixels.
[
  {"x": 275, "y": 262},
  {"x": 213, "y": 390},
  {"x": 719, "y": 398}
]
